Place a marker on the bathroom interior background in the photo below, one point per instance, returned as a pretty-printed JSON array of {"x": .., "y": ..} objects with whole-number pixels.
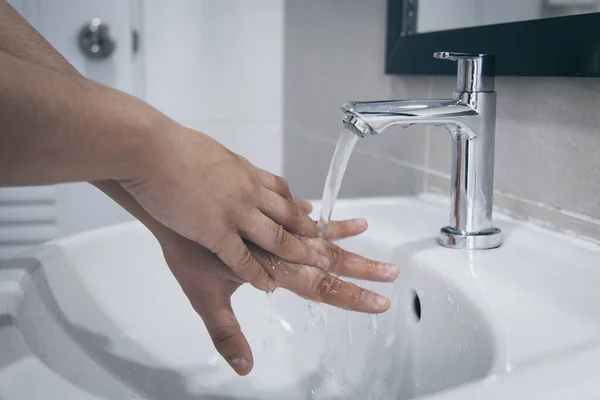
[{"x": 266, "y": 78}]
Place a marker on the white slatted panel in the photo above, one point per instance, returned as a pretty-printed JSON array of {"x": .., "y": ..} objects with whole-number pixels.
[{"x": 28, "y": 217}]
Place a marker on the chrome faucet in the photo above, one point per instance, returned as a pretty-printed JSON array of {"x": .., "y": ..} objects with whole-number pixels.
[{"x": 470, "y": 117}]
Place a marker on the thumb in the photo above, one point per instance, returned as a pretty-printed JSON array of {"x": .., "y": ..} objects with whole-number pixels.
[{"x": 226, "y": 334}]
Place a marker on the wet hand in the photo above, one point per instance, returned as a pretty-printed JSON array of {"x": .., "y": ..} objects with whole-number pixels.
[
  {"x": 216, "y": 198},
  {"x": 209, "y": 284}
]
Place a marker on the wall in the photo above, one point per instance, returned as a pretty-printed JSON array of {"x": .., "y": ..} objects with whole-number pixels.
[
  {"x": 217, "y": 66},
  {"x": 548, "y": 129},
  {"x": 334, "y": 52}
]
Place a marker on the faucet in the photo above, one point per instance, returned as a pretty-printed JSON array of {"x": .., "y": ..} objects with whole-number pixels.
[{"x": 470, "y": 117}]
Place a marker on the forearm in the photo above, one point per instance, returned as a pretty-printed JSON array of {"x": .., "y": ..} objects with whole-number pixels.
[
  {"x": 61, "y": 128},
  {"x": 20, "y": 39}
]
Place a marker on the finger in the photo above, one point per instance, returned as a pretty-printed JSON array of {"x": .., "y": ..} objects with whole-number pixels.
[
  {"x": 273, "y": 238},
  {"x": 351, "y": 265},
  {"x": 337, "y": 230},
  {"x": 235, "y": 254},
  {"x": 287, "y": 214},
  {"x": 304, "y": 206},
  {"x": 274, "y": 183},
  {"x": 317, "y": 285},
  {"x": 226, "y": 334}
]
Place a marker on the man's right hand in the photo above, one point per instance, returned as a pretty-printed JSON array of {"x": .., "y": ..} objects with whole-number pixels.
[{"x": 216, "y": 198}]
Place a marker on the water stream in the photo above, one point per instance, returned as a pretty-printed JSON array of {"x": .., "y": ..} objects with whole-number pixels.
[
  {"x": 344, "y": 370},
  {"x": 333, "y": 182}
]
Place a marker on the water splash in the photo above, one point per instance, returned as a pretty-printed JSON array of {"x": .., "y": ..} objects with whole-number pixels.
[
  {"x": 331, "y": 380},
  {"x": 346, "y": 372},
  {"x": 269, "y": 338},
  {"x": 350, "y": 344},
  {"x": 314, "y": 314}
]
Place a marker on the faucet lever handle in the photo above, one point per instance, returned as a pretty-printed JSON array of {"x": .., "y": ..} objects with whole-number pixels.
[{"x": 475, "y": 71}]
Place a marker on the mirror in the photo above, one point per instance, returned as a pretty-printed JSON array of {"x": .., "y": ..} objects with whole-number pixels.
[
  {"x": 527, "y": 37},
  {"x": 443, "y": 15}
]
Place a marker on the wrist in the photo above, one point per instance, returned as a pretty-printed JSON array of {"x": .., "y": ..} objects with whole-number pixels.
[{"x": 149, "y": 151}]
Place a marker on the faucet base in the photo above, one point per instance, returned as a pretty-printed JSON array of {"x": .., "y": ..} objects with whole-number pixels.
[{"x": 488, "y": 239}]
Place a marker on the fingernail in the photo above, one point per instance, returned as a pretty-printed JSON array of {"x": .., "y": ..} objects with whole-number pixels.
[
  {"x": 240, "y": 365},
  {"x": 324, "y": 262},
  {"x": 381, "y": 301},
  {"x": 390, "y": 270},
  {"x": 360, "y": 222},
  {"x": 271, "y": 286}
]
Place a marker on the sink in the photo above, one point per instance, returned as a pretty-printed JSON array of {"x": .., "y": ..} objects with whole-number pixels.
[{"x": 99, "y": 316}]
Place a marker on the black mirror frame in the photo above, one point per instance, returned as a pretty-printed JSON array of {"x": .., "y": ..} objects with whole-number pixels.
[{"x": 561, "y": 46}]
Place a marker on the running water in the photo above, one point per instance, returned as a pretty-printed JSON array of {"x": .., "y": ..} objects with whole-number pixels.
[
  {"x": 328, "y": 378},
  {"x": 339, "y": 162},
  {"x": 338, "y": 165},
  {"x": 335, "y": 379}
]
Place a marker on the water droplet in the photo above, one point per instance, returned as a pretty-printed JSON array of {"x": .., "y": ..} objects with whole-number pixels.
[
  {"x": 268, "y": 342},
  {"x": 214, "y": 360},
  {"x": 270, "y": 307},
  {"x": 313, "y": 314},
  {"x": 314, "y": 394},
  {"x": 372, "y": 325},
  {"x": 390, "y": 339},
  {"x": 286, "y": 326}
]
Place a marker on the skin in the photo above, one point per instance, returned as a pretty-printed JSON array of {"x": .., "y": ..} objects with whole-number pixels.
[{"x": 220, "y": 221}]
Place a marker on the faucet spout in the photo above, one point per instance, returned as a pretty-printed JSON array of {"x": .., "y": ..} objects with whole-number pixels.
[
  {"x": 373, "y": 117},
  {"x": 470, "y": 117}
]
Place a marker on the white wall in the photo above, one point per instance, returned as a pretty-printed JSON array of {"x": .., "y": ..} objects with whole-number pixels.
[{"x": 217, "y": 66}]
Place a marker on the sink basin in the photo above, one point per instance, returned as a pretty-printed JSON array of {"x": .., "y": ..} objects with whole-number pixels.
[{"x": 99, "y": 316}]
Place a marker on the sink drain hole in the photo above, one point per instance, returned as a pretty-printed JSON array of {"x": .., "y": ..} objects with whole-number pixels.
[{"x": 416, "y": 306}]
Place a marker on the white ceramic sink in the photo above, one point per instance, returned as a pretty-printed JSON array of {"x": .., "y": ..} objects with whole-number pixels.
[{"x": 99, "y": 316}]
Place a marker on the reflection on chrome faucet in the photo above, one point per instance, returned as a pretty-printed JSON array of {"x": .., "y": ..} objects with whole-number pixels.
[{"x": 470, "y": 116}]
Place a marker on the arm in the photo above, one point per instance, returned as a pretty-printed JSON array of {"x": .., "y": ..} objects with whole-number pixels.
[
  {"x": 20, "y": 39},
  {"x": 60, "y": 128},
  {"x": 57, "y": 127}
]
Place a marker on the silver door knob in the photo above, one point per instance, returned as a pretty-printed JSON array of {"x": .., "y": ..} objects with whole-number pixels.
[{"x": 96, "y": 40}]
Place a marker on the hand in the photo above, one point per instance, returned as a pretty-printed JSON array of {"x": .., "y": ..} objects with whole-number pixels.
[
  {"x": 218, "y": 199},
  {"x": 209, "y": 284}
]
